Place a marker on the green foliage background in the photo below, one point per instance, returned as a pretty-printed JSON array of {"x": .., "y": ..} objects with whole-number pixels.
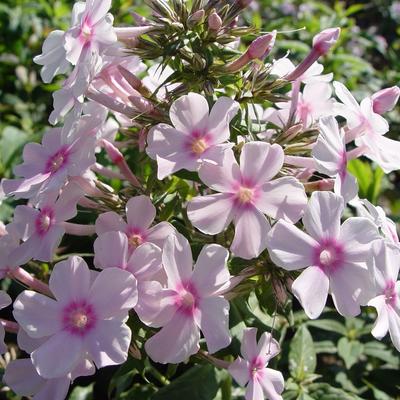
[{"x": 329, "y": 359}]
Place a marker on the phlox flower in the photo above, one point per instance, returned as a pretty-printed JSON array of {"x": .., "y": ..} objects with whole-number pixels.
[
  {"x": 8, "y": 243},
  {"x": 378, "y": 216},
  {"x": 63, "y": 153},
  {"x": 91, "y": 29},
  {"x": 334, "y": 255},
  {"x": 368, "y": 128},
  {"x": 21, "y": 375},
  {"x": 140, "y": 213},
  {"x": 191, "y": 302},
  {"x": 86, "y": 320},
  {"x": 41, "y": 229},
  {"x": 385, "y": 264},
  {"x": 196, "y": 135},
  {"x": 5, "y": 300},
  {"x": 246, "y": 193},
  {"x": 251, "y": 370},
  {"x": 111, "y": 250},
  {"x": 330, "y": 156}
]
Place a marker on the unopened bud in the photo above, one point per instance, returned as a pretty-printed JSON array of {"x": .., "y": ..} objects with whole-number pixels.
[
  {"x": 324, "y": 40},
  {"x": 261, "y": 46},
  {"x": 142, "y": 104},
  {"x": 214, "y": 22},
  {"x": 385, "y": 100},
  {"x": 196, "y": 18}
]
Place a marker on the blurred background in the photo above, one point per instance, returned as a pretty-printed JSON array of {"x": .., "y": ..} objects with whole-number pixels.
[{"x": 365, "y": 59}]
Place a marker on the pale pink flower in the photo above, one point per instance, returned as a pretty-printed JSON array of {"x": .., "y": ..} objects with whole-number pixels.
[
  {"x": 191, "y": 302},
  {"x": 334, "y": 255},
  {"x": 91, "y": 27},
  {"x": 385, "y": 265},
  {"x": 8, "y": 243},
  {"x": 111, "y": 250},
  {"x": 251, "y": 370},
  {"x": 368, "y": 128},
  {"x": 330, "y": 156},
  {"x": 283, "y": 66},
  {"x": 86, "y": 320},
  {"x": 63, "y": 153},
  {"x": 246, "y": 193},
  {"x": 5, "y": 300},
  {"x": 41, "y": 229},
  {"x": 378, "y": 216},
  {"x": 196, "y": 134},
  {"x": 140, "y": 214},
  {"x": 53, "y": 57}
]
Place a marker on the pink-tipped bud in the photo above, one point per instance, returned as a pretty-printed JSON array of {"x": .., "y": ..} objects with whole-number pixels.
[
  {"x": 142, "y": 104},
  {"x": 324, "y": 40},
  {"x": 262, "y": 46},
  {"x": 214, "y": 22},
  {"x": 196, "y": 18},
  {"x": 384, "y": 100}
]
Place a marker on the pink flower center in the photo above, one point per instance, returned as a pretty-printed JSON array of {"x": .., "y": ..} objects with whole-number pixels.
[
  {"x": 86, "y": 30},
  {"x": 186, "y": 298},
  {"x": 57, "y": 161},
  {"x": 329, "y": 255},
  {"x": 199, "y": 146},
  {"x": 135, "y": 237},
  {"x": 390, "y": 293},
  {"x": 245, "y": 195},
  {"x": 256, "y": 368},
  {"x": 79, "y": 318},
  {"x": 44, "y": 221}
]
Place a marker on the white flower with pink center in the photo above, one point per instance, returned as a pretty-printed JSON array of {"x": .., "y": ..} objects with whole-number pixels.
[
  {"x": 192, "y": 302},
  {"x": 63, "y": 153},
  {"x": 196, "y": 135},
  {"x": 112, "y": 251},
  {"x": 246, "y": 194},
  {"x": 368, "y": 129},
  {"x": 41, "y": 230},
  {"x": 140, "y": 213},
  {"x": 330, "y": 156},
  {"x": 385, "y": 265},
  {"x": 335, "y": 255},
  {"x": 86, "y": 320},
  {"x": 251, "y": 370}
]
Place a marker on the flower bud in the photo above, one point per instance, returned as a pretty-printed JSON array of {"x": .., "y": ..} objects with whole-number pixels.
[
  {"x": 261, "y": 46},
  {"x": 196, "y": 18},
  {"x": 243, "y": 3},
  {"x": 214, "y": 22},
  {"x": 384, "y": 100},
  {"x": 324, "y": 40}
]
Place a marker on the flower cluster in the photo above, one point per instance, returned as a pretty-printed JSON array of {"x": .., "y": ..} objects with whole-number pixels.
[{"x": 273, "y": 165}]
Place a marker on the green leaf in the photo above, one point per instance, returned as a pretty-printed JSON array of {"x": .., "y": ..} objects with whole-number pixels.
[
  {"x": 198, "y": 383},
  {"x": 329, "y": 325},
  {"x": 325, "y": 346},
  {"x": 82, "y": 393},
  {"x": 324, "y": 391},
  {"x": 350, "y": 351},
  {"x": 379, "y": 350},
  {"x": 302, "y": 355}
]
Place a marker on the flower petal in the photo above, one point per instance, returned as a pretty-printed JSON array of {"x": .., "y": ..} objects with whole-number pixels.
[
  {"x": 110, "y": 221},
  {"x": 70, "y": 280},
  {"x": 272, "y": 383},
  {"x": 311, "y": 289},
  {"x": 140, "y": 212},
  {"x": 211, "y": 214},
  {"x": 115, "y": 284},
  {"x": 283, "y": 198},
  {"x": 260, "y": 161},
  {"x": 289, "y": 247},
  {"x": 111, "y": 250},
  {"x": 251, "y": 228},
  {"x": 381, "y": 325},
  {"x": 108, "y": 344},
  {"x": 159, "y": 233},
  {"x": 67, "y": 347},
  {"x": 145, "y": 261},
  {"x": 239, "y": 369},
  {"x": 254, "y": 390},
  {"x": 189, "y": 113},
  {"x": 213, "y": 321},
  {"x": 175, "y": 342},
  {"x": 38, "y": 315},
  {"x": 394, "y": 328},
  {"x": 210, "y": 271}
]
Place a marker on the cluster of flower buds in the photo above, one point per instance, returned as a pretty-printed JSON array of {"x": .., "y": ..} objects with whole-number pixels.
[{"x": 266, "y": 177}]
